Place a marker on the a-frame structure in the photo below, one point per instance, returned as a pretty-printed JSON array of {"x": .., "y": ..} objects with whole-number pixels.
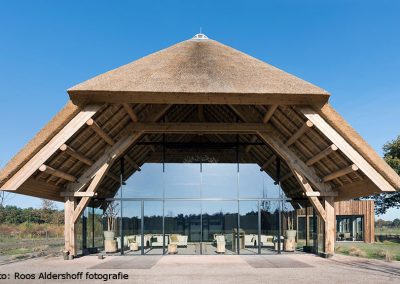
[{"x": 197, "y": 91}]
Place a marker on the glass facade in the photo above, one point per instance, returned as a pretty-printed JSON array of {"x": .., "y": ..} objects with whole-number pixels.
[
  {"x": 349, "y": 228},
  {"x": 201, "y": 208}
]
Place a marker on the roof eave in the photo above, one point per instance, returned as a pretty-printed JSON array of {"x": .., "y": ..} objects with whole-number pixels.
[{"x": 83, "y": 97}]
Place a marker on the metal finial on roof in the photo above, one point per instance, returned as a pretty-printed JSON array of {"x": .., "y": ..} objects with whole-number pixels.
[{"x": 200, "y": 36}]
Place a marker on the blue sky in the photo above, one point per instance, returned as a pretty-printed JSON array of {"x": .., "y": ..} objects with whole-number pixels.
[{"x": 350, "y": 48}]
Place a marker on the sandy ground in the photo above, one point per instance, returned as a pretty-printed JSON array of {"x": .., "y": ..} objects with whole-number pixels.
[{"x": 299, "y": 268}]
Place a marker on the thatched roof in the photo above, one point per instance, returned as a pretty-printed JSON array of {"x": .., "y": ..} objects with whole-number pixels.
[{"x": 196, "y": 67}]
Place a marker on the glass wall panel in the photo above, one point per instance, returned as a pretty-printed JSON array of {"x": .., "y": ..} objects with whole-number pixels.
[
  {"x": 148, "y": 183},
  {"x": 220, "y": 224},
  {"x": 131, "y": 227},
  {"x": 95, "y": 228},
  {"x": 288, "y": 229},
  {"x": 349, "y": 228},
  {"x": 182, "y": 180},
  {"x": 304, "y": 225},
  {"x": 248, "y": 211},
  {"x": 153, "y": 228},
  {"x": 269, "y": 188},
  {"x": 219, "y": 181},
  {"x": 182, "y": 226},
  {"x": 269, "y": 211},
  {"x": 251, "y": 181}
]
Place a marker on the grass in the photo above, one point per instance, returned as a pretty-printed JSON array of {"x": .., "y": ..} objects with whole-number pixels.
[
  {"x": 22, "y": 248},
  {"x": 387, "y": 231},
  {"x": 387, "y": 250}
]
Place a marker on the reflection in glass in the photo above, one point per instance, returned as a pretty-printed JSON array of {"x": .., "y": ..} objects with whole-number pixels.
[
  {"x": 349, "y": 228},
  {"x": 219, "y": 227},
  {"x": 131, "y": 227},
  {"x": 269, "y": 211},
  {"x": 249, "y": 226},
  {"x": 250, "y": 181},
  {"x": 219, "y": 181},
  {"x": 182, "y": 180},
  {"x": 148, "y": 183},
  {"x": 153, "y": 228},
  {"x": 182, "y": 226}
]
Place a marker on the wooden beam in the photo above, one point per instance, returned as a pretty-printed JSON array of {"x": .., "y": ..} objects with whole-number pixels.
[
  {"x": 330, "y": 230},
  {"x": 56, "y": 173},
  {"x": 307, "y": 125},
  {"x": 332, "y": 148},
  {"x": 99, "y": 131},
  {"x": 269, "y": 113},
  {"x": 77, "y": 155},
  {"x": 357, "y": 189},
  {"x": 340, "y": 173},
  {"x": 50, "y": 148},
  {"x": 82, "y": 97},
  {"x": 70, "y": 226},
  {"x": 115, "y": 151},
  {"x": 195, "y": 127},
  {"x": 130, "y": 112},
  {"x": 319, "y": 194},
  {"x": 248, "y": 147},
  {"x": 347, "y": 149},
  {"x": 268, "y": 162},
  {"x": 295, "y": 163},
  {"x": 91, "y": 189},
  {"x": 114, "y": 177},
  {"x": 77, "y": 194},
  {"x": 308, "y": 189},
  {"x": 132, "y": 163},
  {"x": 146, "y": 139},
  {"x": 287, "y": 176},
  {"x": 200, "y": 113}
]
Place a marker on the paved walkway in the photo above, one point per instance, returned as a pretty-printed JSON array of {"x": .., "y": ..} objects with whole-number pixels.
[{"x": 300, "y": 268}]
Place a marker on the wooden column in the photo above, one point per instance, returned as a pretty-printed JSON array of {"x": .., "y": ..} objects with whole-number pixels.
[
  {"x": 329, "y": 242},
  {"x": 70, "y": 226}
]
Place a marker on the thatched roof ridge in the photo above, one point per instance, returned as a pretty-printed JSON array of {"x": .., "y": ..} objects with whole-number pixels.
[
  {"x": 195, "y": 67},
  {"x": 356, "y": 141},
  {"x": 68, "y": 112}
]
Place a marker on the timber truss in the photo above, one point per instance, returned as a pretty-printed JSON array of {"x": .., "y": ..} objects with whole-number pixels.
[{"x": 79, "y": 163}]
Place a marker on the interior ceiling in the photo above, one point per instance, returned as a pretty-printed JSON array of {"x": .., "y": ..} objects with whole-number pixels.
[{"x": 115, "y": 121}]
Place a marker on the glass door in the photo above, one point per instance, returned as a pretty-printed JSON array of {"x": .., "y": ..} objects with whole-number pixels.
[
  {"x": 153, "y": 228},
  {"x": 182, "y": 226},
  {"x": 248, "y": 211},
  {"x": 220, "y": 227}
]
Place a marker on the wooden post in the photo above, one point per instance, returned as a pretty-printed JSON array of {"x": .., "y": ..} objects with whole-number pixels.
[
  {"x": 70, "y": 226},
  {"x": 329, "y": 240}
]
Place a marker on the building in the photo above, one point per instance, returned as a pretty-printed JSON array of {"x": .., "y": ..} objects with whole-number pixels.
[
  {"x": 354, "y": 222},
  {"x": 186, "y": 143}
]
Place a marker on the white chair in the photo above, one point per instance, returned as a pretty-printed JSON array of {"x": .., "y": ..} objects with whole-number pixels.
[
  {"x": 157, "y": 240},
  {"x": 267, "y": 241},
  {"x": 220, "y": 239},
  {"x": 250, "y": 240},
  {"x": 181, "y": 240}
]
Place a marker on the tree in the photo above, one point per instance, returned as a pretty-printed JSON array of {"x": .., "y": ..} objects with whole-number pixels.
[{"x": 391, "y": 154}]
